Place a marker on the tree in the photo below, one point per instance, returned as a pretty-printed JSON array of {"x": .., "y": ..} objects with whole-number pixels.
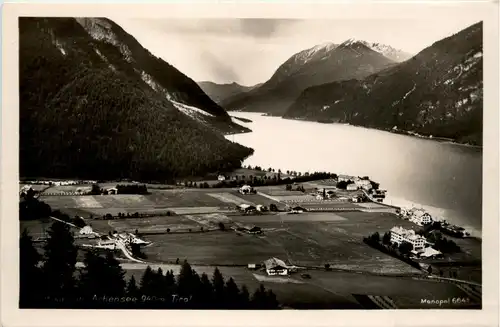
[
  {"x": 102, "y": 276},
  {"x": 375, "y": 237},
  {"x": 429, "y": 270},
  {"x": 327, "y": 266},
  {"x": 132, "y": 290},
  {"x": 386, "y": 239},
  {"x": 405, "y": 248},
  {"x": 218, "y": 285},
  {"x": 96, "y": 190},
  {"x": 206, "y": 291},
  {"x": 29, "y": 272},
  {"x": 169, "y": 285},
  {"x": 221, "y": 226},
  {"x": 259, "y": 298},
  {"x": 244, "y": 297},
  {"x": 273, "y": 207},
  {"x": 342, "y": 185},
  {"x": 188, "y": 282},
  {"x": 60, "y": 259},
  {"x": 147, "y": 282},
  {"x": 232, "y": 294}
]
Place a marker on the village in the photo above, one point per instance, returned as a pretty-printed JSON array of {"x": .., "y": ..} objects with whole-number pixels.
[{"x": 295, "y": 233}]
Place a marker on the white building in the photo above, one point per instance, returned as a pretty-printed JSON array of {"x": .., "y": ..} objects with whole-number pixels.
[
  {"x": 420, "y": 217},
  {"x": 352, "y": 187},
  {"x": 400, "y": 235},
  {"x": 87, "y": 230},
  {"x": 428, "y": 252},
  {"x": 275, "y": 266},
  {"x": 246, "y": 189},
  {"x": 345, "y": 178},
  {"x": 363, "y": 183},
  {"x": 221, "y": 178}
]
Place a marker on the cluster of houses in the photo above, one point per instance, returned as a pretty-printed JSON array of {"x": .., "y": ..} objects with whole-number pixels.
[
  {"x": 356, "y": 183},
  {"x": 420, "y": 245},
  {"x": 110, "y": 242},
  {"x": 329, "y": 194},
  {"x": 248, "y": 208},
  {"x": 417, "y": 216}
]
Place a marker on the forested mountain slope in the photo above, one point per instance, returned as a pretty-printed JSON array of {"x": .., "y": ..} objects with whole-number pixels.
[
  {"x": 94, "y": 103},
  {"x": 438, "y": 92},
  {"x": 318, "y": 65}
]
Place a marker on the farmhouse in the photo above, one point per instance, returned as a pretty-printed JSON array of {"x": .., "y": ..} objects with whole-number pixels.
[
  {"x": 246, "y": 207},
  {"x": 345, "y": 178},
  {"x": 112, "y": 190},
  {"x": 363, "y": 183},
  {"x": 420, "y": 217},
  {"x": 261, "y": 208},
  {"x": 275, "y": 266},
  {"x": 352, "y": 187},
  {"x": 246, "y": 189},
  {"x": 400, "y": 235},
  {"x": 221, "y": 178},
  {"x": 87, "y": 230}
]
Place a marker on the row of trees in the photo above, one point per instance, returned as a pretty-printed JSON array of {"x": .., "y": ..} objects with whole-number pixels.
[
  {"x": 440, "y": 243},
  {"x": 384, "y": 244},
  {"x": 274, "y": 180},
  {"x": 288, "y": 172},
  {"x": 52, "y": 280}
]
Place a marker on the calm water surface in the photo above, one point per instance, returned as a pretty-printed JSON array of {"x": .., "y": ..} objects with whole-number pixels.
[{"x": 444, "y": 178}]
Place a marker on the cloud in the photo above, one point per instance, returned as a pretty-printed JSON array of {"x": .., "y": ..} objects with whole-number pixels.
[
  {"x": 220, "y": 70},
  {"x": 257, "y": 28},
  {"x": 264, "y": 28}
]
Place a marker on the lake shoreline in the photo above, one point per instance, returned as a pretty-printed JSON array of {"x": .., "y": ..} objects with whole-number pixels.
[
  {"x": 445, "y": 178},
  {"x": 400, "y": 132}
]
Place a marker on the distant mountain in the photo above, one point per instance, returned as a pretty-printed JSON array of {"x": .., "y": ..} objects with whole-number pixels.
[
  {"x": 95, "y": 103},
  {"x": 395, "y": 55},
  {"x": 438, "y": 92},
  {"x": 318, "y": 65},
  {"x": 220, "y": 92}
]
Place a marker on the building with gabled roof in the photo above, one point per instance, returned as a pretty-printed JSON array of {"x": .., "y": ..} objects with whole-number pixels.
[{"x": 275, "y": 266}]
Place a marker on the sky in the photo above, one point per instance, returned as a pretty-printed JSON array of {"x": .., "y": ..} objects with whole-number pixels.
[{"x": 248, "y": 51}]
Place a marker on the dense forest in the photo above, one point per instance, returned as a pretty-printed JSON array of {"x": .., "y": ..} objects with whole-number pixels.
[{"x": 86, "y": 112}]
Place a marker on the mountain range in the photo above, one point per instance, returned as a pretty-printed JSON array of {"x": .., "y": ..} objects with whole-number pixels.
[
  {"x": 95, "y": 103},
  {"x": 318, "y": 65},
  {"x": 438, "y": 92},
  {"x": 220, "y": 92}
]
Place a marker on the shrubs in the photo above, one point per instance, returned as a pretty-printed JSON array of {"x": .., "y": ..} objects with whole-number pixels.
[
  {"x": 392, "y": 249},
  {"x": 132, "y": 189}
]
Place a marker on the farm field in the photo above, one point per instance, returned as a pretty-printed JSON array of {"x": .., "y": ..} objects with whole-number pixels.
[
  {"x": 160, "y": 224},
  {"x": 306, "y": 239},
  {"x": 327, "y": 289},
  {"x": 215, "y": 248}
]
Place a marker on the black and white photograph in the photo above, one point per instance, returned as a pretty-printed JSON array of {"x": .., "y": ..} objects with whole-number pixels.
[{"x": 252, "y": 163}]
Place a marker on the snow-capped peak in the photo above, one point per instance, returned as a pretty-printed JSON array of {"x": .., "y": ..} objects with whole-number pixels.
[
  {"x": 385, "y": 50},
  {"x": 323, "y": 48},
  {"x": 350, "y": 41}
]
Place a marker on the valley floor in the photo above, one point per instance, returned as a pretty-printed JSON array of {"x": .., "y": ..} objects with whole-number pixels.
[{"x": 359, "y": 274}]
